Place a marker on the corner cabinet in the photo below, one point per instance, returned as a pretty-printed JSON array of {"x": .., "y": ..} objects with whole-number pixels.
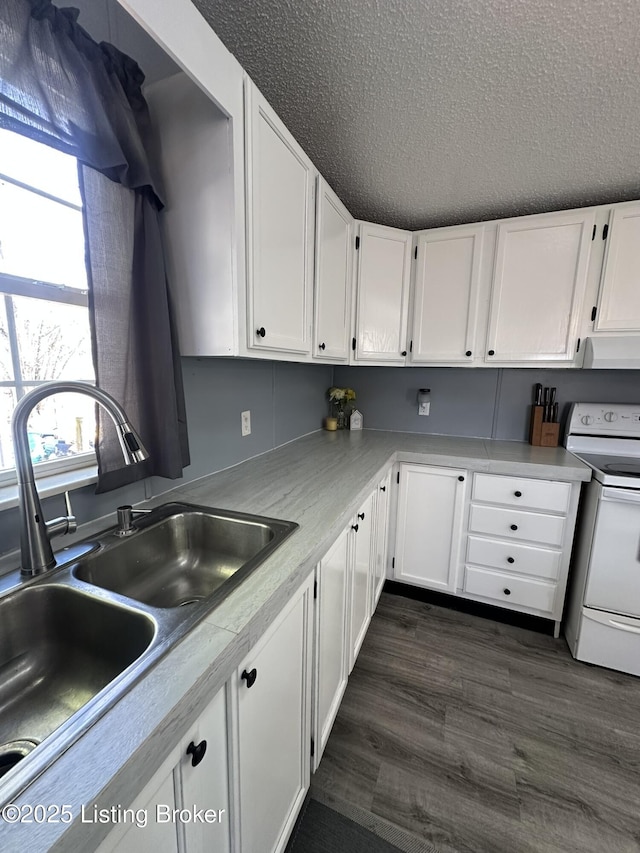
[
  {"x": 619, "y": 298},
  {"x": 280, "y": 182},
  {"x": 333, "y": 276},
  {"x": 539, "y": 281},
  {"x": 446, "y": 289},
  {"x": 429, "y": 526},
  {"x": 272, "y": 687},
  {"x": 382, "y": 294}
]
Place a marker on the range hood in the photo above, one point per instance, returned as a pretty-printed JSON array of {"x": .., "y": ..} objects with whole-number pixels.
[{"x": 614, "y": 353}]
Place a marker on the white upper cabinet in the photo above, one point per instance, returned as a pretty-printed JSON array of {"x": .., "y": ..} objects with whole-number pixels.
[
  {"x": 280, "y": 189},
  {"x": 382, "y": 293},
  {"x": 540, "y": 276},
  {"x": 619, "y": 299},
  {"x": 333, "y": 276},
  {"x": 445, "y": 295}
]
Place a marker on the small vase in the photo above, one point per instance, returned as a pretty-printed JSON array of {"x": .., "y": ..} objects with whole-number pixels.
[{"x": 342, "y": 420}]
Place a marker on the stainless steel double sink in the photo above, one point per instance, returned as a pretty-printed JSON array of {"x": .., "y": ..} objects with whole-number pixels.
[{"x": 74, "y": 640}]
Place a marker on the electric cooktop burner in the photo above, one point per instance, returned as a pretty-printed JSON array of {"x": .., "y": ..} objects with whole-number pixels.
[{"x": 625, "y": 469}]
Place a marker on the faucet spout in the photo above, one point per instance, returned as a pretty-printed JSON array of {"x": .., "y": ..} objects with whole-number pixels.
[{"x": 35, "y": 533}]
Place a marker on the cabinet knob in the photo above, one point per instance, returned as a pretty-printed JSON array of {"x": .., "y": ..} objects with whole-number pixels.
[
  {"x": 404, "y": 352},
  {"x": 383, "y": 488},
  {"x": 518, "y": 494},
  {"x": 361, "y": 516},
  {"x": 355, "y": 527},
  {"x": 261, "y": 332},
  {"x": 322, "y": 346},
  {"x": 491, "y": 352},
  {"x": 510, "y": 560},
  {"x": 468, "y": 353},
  {"x": 197, "y": 752},
  {"x": 514, "y": 526},
  {"x": 461, "y": 478},
  {"x": 250, "y": 677},
  {"x": 506, "y": 591}
]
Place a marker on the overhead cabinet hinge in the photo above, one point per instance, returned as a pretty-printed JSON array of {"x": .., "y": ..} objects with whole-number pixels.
[
  {"x": 398, "y": 477},
  {"x": 315, "y": 589},
  {"x": 415, "y": 253}
]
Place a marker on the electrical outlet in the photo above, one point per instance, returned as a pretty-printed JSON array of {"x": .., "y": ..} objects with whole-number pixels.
[
  {"x": 246, "y": 423},
  {"x": 424, "y": 408}
]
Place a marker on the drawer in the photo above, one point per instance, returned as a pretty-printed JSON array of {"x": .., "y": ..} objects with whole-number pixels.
[
  {"x": 520, "y": 492},
  {"x": 508, "y": 590},
  {"x": 512, "y": 524},
  {"x": 514, "y": 557}
]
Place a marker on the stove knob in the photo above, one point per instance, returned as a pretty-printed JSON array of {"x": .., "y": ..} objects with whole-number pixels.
[
  {"x": 586, "y": 419},
  {"x": 610, "y": 417}
]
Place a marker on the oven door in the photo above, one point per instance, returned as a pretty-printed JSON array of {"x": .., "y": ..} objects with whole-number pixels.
[{"x": 613, "y": 582}]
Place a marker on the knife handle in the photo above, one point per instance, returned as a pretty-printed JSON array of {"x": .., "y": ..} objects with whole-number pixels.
[{"x": 537, "y": 394}]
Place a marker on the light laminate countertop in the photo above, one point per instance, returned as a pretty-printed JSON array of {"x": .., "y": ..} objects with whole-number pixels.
[{"x": 317, "y": 481}]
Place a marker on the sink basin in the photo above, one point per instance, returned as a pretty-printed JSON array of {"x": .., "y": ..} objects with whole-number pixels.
[
  {"x": 58, "y": 648},
  {"x": 183, "y": 554}
]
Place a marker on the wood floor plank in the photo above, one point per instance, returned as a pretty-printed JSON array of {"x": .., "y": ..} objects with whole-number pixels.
[{"x": 481, "y": 737}]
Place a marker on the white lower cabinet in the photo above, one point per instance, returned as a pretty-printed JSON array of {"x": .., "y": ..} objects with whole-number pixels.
[
  {"x": 272, "y": 687},
  {"x": 362, "y": 558},
  {"x": 194, "y": 778},
  {"x": 331, "y": 640},
  {"x": 381, "y": 534},
  {"x": 429, "y": 526}
]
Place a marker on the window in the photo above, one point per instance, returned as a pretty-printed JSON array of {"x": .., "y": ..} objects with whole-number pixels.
[{"x": 44, "y": 318}]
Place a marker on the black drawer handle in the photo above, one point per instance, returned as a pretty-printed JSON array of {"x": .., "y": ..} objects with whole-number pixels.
[
  {"x": 518, "y": 494},
  {"x": 383, "y": 488},
  {"x": 261, "y": 332},
  {"x": 355, "y": 527},
  {"x": 403, "y": 353},
  {"x": 197, "y": 752},
  {"x": 250, "y": 677},
  {"x": 468, "y": 353},
  {"x": 321, "y": 346},
  {"x": 361, "y": 516},
  {"x": 506, "y": 591},
  {"x": 461, "y": 478},
  {"x": 492, "y": 352},
  {"x": 510, "y": 560},
  {"x": 514, "y": 526}
]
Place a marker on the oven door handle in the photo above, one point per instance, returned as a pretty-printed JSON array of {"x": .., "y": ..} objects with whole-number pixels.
[
  {"x": 627, "y": 495},
  {"x": 623, "y": 623}
]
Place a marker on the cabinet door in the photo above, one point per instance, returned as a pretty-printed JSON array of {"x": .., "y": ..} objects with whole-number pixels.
[
  {"x": 331, "y": 639},
  {"x": 445, "y": 297},
  {"x": 384, "y": 268},
  {"x": 280, "y": 181},
  {"x": 619, "y": 299},
  {"x": 429, "y": 526},
  {"x": 144, "y": 831},
  {"x": 274, "y": 725},
  {"x": 538, "y": 285},
  {"x": 206, "y": 785},
  {"x": 361, "y": 576},
  {"x": 381, "y": 538},
  {"x": 332, "y": 292}
]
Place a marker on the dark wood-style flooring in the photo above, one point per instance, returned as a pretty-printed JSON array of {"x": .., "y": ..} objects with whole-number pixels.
[{"x": 480, "y": 737}]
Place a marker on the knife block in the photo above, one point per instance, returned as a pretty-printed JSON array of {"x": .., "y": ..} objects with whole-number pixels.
[{"x": 542, "y": 433}]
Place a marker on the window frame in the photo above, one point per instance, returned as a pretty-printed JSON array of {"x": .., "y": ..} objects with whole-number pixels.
[{"x": 18, "y": 286}]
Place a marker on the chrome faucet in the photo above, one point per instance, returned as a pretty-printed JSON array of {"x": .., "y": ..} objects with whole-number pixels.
[{"x": 35, "y": 532}]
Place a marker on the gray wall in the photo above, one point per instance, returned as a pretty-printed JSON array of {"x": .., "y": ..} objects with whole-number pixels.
[
  {"x": 485, "y": 403},
  {"x": 286, "y": 401}
]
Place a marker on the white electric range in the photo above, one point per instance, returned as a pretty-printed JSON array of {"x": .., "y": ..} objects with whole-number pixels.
[{"x": 603, "y": 607}]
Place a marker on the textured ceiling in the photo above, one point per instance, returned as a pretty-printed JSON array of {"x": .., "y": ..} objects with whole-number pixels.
[{"x": 433, "y": 112}]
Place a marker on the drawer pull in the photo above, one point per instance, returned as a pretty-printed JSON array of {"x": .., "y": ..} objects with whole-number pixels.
[
  {"x": 461, "y": 478},
  {"x": 355, "y": 527},
  {"x": 510, "y": 560},
  {"x": 514, "y": 526},
  {"x": 361, "y": 516},
  {"x": 518, "y": 494},
  {"x": 506, "y": 591}
]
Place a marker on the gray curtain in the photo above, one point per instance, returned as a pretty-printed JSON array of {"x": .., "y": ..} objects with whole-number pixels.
[{"x": 60, "y": 87}]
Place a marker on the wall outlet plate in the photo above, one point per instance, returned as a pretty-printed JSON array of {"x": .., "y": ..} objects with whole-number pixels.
[
  {"x": 424, "y": 408},
  {"x": 245, "y": 419}
]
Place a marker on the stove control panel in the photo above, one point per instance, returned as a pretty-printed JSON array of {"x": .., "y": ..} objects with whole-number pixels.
[{"x": 605, "y": 419}]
